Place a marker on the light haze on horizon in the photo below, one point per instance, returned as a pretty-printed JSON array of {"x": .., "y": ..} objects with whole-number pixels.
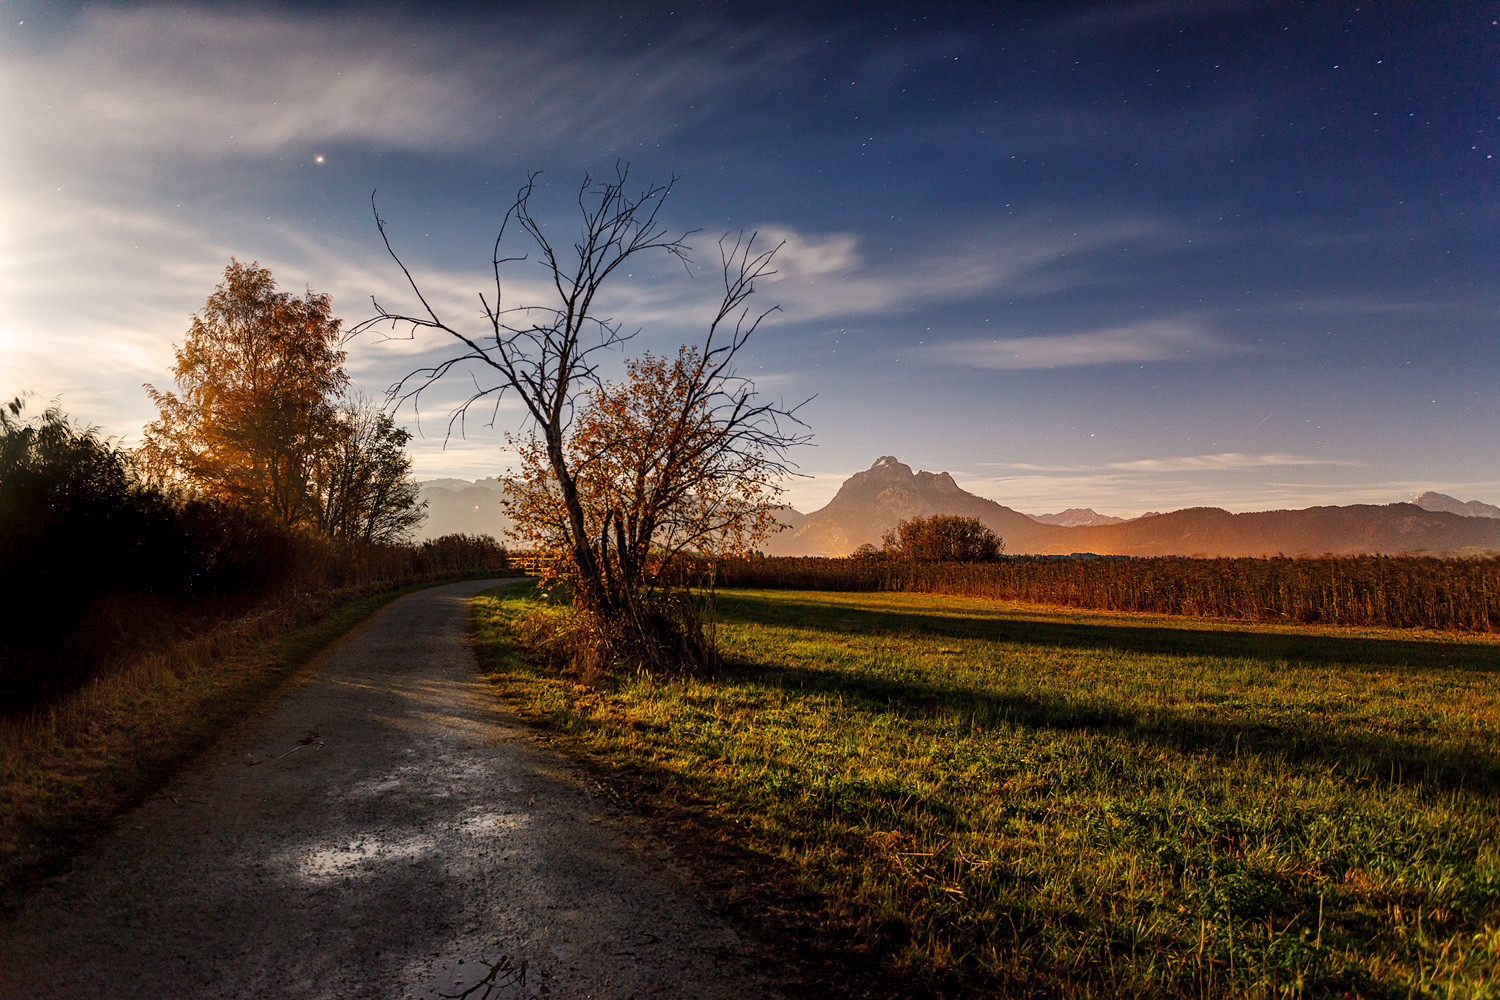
[{"x": 1127, "y": 257}]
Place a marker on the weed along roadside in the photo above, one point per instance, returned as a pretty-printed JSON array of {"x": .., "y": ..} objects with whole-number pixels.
[
  {"x": 974, "y": 797},
  {"x": 70, "y": 768}
]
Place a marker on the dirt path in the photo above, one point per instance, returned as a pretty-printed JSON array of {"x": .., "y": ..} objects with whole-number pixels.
[{"x": 378, "y": 831}]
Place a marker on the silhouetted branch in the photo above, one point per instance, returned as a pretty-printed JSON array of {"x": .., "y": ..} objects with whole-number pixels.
[{"x": 548, "y": 355}]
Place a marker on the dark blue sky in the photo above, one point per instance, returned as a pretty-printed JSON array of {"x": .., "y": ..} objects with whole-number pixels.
[{"x": 1123, "y": 256}]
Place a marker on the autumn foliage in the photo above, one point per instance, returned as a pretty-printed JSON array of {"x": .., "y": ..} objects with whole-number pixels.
[
  {"x": 257, "y": 420},
  {"x": 657, "y": 475},
  {"x": 253, "y": 409}
]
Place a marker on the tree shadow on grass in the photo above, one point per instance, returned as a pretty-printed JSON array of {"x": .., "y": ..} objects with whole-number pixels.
[
  {"x": 1363, "y": 758},
  {"x": 1371, "y": 652},
  {"x": 1359, "y": 758}
]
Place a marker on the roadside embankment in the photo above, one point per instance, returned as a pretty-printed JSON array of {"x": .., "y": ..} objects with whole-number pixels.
[{"x": 67, "y": 768}]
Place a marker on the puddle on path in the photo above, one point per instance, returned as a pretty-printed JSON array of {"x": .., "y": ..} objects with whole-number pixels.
[{"x": 362, "y": 858}]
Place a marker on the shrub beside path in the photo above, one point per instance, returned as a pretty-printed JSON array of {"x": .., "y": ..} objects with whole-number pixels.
[{"x": 383, "y": 830}]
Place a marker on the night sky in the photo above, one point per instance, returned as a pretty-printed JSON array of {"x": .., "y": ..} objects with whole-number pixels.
[{"x": 1129, "y": 256}]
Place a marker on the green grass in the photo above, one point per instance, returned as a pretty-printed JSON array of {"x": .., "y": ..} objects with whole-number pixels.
[{"x": 1063, "y": 802}]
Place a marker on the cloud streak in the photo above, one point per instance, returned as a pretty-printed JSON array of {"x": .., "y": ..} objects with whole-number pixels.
[
  {"x": 231, "y": 84},
  {"x": 1222, "y": 462},
  {"x": 832, "y": 275},
  {"x": 1123, "y": 494},
  {"x": 1160, "y": 340}
]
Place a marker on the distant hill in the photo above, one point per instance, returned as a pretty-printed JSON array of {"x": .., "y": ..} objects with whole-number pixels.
[
  {"x": 457, "y": 506},
  {"x": 872, "y": 502},
  {"x": 791, "y": 517},
  {"x": 1388, "y": 529},
  {"x": 1452, "y": 505},
  {"x": 1074, "y": 517}
]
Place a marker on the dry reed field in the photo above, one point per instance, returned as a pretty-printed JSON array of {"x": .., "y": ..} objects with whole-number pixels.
[{"x": 1384, "y": 591}]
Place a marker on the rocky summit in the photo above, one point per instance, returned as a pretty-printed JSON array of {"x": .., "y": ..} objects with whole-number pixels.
[
  {"x": 1453, "y": 505},
  {"x": 872, "y": 502}
]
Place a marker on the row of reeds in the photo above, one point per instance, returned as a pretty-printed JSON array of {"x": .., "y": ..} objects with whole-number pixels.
[{"x": 1381, "y": 591}]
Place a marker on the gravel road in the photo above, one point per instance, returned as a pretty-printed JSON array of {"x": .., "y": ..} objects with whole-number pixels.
[{"x": 378, "y": 831}]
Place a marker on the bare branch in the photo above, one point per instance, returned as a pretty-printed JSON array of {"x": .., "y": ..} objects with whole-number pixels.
[{"x": 683, "y": 454}]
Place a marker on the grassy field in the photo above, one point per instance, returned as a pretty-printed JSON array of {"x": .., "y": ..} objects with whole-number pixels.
[{"x": 1058, "y": 802}]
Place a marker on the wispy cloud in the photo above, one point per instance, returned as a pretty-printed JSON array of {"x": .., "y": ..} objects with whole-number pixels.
[
  {"x": 1128, "y": 494},
  {"x": 1373, "y": 305},
  {"x": 1219, "y": 463},
  {"x": 475, "y": 457},
  {"x": 231, "y": 84},
  {"x": 1104, "y": 23},
  {"x": 1031, "y": 467},
  {"x": 1160, "y": 340},
  {"x": 834, "y": 275},
  {"x": 209, "y": 85}
]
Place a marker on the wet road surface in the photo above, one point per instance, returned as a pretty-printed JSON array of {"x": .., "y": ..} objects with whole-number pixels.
[{"x": 382, "y": 829}]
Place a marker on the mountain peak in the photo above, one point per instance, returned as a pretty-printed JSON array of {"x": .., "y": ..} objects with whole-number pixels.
[
  {"x": 1074, "y": 517},
  {"x": 885, "y": 472},
  {"x": 1452, "y": 505},
  {"x": 874, "y": 501}
]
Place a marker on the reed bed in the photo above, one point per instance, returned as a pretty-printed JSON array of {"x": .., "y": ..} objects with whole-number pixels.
[{"x": 1378, "y": 591}]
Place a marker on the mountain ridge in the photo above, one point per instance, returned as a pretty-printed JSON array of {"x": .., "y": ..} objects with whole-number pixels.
[
  {"x": 1453, "y": 505},
  {"x": 1075, "y": 517},
  {"x": 872, "y": 502}
]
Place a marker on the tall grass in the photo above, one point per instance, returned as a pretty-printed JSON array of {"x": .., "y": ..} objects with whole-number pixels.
[
  {"x": 1382, "y": 591},
  {"x": 89, "y": 628}
]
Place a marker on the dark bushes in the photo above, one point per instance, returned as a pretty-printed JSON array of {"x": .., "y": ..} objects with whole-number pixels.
[
  {"x": 942, "y": 538},
  {"x": 95, "y": 564},
  {"x": 457, "y": 554},
  {"x": 664, "y": 632}
]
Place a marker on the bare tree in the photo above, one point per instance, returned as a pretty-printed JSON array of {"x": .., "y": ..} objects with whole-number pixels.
[
  {"x": 362, "y": 490},
  {"x": 548, "y": 355}
]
